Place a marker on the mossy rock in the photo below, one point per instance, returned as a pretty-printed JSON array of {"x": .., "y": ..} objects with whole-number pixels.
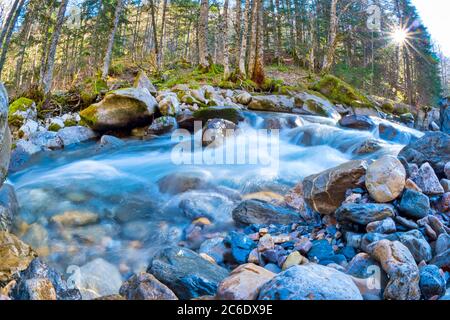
[
  {"x": 228, "y": 113},
  {"x": 70, "y": 123},
  {"x": 340, "y": 92},
  {"x": 121, "y": 109},
  {"x": 387, "y": 107},
  {"x": 21, "y": 104},
  {"x": 54, "y": 127}
]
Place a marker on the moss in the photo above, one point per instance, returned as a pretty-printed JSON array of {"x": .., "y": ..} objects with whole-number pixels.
[
  {"x": 387, "y": 107},
  {"x": 341, "y": 92},
  {"x": 314, "y": 107},
  {"x": 70, "y": 123},
  {"x": 54, "y": 127},
  {"x": 21, "y": 104},
  {"x": 227, "y": 113},
  {"x": 401, "y": 110},
  {"x": 89, "y": 115}
]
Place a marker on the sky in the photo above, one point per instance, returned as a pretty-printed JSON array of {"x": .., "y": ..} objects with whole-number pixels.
[{"x": 435, "y": 15}]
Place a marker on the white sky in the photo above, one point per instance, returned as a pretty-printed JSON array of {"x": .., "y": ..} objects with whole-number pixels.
[{"x": 435, "y": 15}]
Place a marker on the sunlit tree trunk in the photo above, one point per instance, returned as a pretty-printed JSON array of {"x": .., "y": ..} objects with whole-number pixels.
[
  {"x": 253, "y": 37},
  {"x": 241, "y": 65},
  {"x": 48, "y": 75},
  {"x": 258, "y": 70},
  {"x": 328, "y": 59},
  {"x": 112, "y": 36},
  {"x": 203, "y": 35},
  {"x": 226, "y": 66}
]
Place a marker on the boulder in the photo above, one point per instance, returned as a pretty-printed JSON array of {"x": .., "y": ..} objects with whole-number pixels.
[
  {"x": 243, "y": 98},
  {"x": 427, "y": 180},
  {"x": 259, "y": 212},
  {"x": 143, "y": 82},
  {"x": 399, "y": 264},
  {"x": 219, "y": 112},
  {"x": 5, "y": 135},
  {"x": 98, "y": 278},
  {"x": 15, "y": 256},
  {"x": 110, "y": 142},
  {"x": 169, "y": 106},
  {"x": 41, "y": 282},
  {"x": 216, "y": 131},
  {"x": 186, "y": 273},
  {"x": 121, "y": 109},
  {"x": 417, "y": 245},
  {"x": 385, "y": 179},
  {"x": 391, "y": 132},
  {"x": 432, "y": 282},
  {"x": 414, "y": 204},
  {"x": 76, "y": 134},
  {"x": 368, "y": 146},
  {"x": 446, "y": 120},
  {"x": 22, "y": 154},
  {"x": 75, "y": 218},
  {"x": 324, "y": 192},
  {"x": 243, "y": 283},
  {"x": 145, "y": 286},
  {"x": 179, "y": 182},
  {"x": 364, "y": 213},
  {"x": 241, "y": 246},
  {"x": 163, "y": 125},
  {"x": 272, "y": 103},
  {"x": 386, "y": 226},
  {"x": 447, "y": 170},
  {"x": 307, "y": 103},
  {"x": 294, "y": 259},
  {"x": 9, "y": 207},
  {"x": 310, "y": 282},
  {"x": 357, "y": 122},
  {"x": 442, "y": 260},
  {"x": 215, "y": 248},
  {"x": 433, "y": 148}
]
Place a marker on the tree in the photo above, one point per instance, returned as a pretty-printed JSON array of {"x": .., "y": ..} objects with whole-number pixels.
[
  {"x": 48, "y": 75},
  {"x": 203, "y": 35},
  {"x": 112, "y": 35},
  {"x": 226, "y": 66}
]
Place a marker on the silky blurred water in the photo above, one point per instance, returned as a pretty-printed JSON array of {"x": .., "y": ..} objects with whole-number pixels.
[{"x": 120, "y": 186}]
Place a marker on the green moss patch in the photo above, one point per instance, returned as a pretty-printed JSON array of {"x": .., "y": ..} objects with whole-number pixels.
[
  {"x": 340, "y": 92},
  {"x": 227, "y": 113}
]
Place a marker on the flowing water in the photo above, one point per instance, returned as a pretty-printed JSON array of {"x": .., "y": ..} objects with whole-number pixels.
[{"x": 135, "y": 218}]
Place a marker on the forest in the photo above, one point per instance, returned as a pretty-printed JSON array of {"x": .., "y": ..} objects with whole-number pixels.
[{"x": 56, "y": 45}]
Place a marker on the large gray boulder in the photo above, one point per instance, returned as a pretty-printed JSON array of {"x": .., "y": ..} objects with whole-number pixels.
[
  {"x": 310, "y": 282},
  {"x": 5, "y": 134},
  {"x": 433, "y": 148}
]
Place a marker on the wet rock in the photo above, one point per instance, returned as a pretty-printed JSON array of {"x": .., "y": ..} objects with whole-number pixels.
[
  {"x": 272, "y": 103},
  {"x": 409, "y": 184},
  {"x": 307, "y": 103},
  {"x": 215, "y": 248},
  {"x": 169, "y": 105},
  {"x": 433, "y": 148},
  {"x": 322, "y": 252},
  {"x": 15, "y": 256},
  {"x": 357, "y": 122},
  {"x": 5, "y": 134},
  {"x": 121, "y": 109},
  {"x": 368, "y": 146},
  {"x": 163, "y": 125},
  {"x": 9, "y": 207},
  {"x": 36, "y": 289},
  {"x": 324, "y": 192},
  {"x": 197, "y": 204},
  {"x": 427, "y": 180},
  {"x": 244, "y": 283},
  {"x": 243, "y": 98},
  {"x": 442, "y": 260},
  {"x": 216, "y": 131},
  {"x": 432, "y": 282},
  {"x": 414, "y": 204},
  {"x": 399, "y": 264},
  {"x": 110, "y": 142},
  {"x": 98, "y": 278},
  {"x": 37, "y": 237},
  {"x": 46, "y": 140},
  {"x": 364, "y": 213},
  {"x": 417, "y": 245},
  {"x": 179, "y": 182},
  {"x": 385, "y": 226},
  {"x": 75, "y": 218},
  {"x": 186, "y": 273},
  {"x": 363, "y": 266},
  {"x": 385, "y": 179},
  {"x": 230, "y": 114},
  {"x": 447, "y": 170},
  {"x": 406, "y": 223},
  {"x": 241, "y": 246},
  {"x": 145, "y": 286},
  {"x": 31, "y": 284},
  {"x": 295, "y": 199},
  {"x": 22, "y": 154},
  {"x": 258, "y": 212},
  {"x": 442, "y": 243},
  {"x": 186, "y": 120},
  {"x": 76, "y": 134},
  {"x": 143, "y": 82},
  {"x": 310, "y": 282},
  {"x": 445, "y": 183},
  {"x": 294, "y": 259},
  {"x": 266, "y": 243},
  {"x": 391, "y": 132}
]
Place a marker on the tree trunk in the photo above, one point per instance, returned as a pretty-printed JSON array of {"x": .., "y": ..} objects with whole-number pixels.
[
  {"x": 162, "y": 36},
  {"x": 328, "y": 59},
  {"x": 8, "y": 21},
  {"x": 203, "y": 35},
  {"x": 243, "y": 50},
  {"x": 226, "y": 66},
  {"x": 238, "y": 28},
  {"x": 278, "y": 50},
  {"x": 258, "y": 70},
  {"x": 253, "y": 37},
  {"x": 12, "y": 24},
  {"x": 112, "y": 35},
  {"x": 48, "y": 75}
]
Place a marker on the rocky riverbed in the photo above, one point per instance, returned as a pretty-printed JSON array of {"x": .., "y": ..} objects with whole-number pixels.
[{"x": 355, "y": 205}]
